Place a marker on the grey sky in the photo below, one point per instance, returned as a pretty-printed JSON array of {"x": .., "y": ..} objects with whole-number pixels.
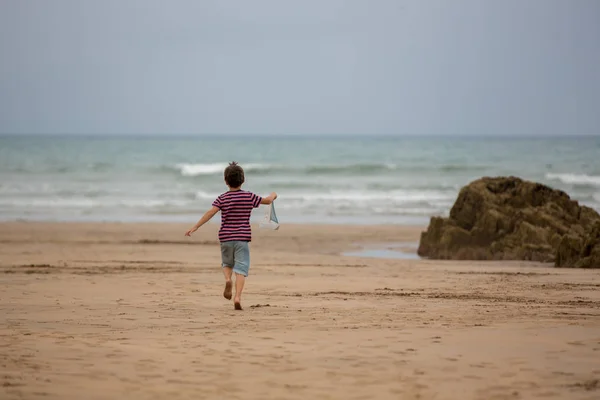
[{"x": 528, "y": 67}]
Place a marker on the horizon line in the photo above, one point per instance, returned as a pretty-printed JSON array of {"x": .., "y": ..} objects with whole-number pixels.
[{"x": 303, "y": 135}]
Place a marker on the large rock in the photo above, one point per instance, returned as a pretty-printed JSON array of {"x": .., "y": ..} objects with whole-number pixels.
[
  {"x": 507, "y": 218},
  {"x": 580, "y": 251}
]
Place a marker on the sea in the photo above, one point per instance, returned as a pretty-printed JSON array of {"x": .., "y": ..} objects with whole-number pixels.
[{"x": 319, "y": 179}]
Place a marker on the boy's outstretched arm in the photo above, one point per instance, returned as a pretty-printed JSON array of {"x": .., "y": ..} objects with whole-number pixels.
[
  {"x": 269, "y": 199},
  {"x": 205, "y": 218}
]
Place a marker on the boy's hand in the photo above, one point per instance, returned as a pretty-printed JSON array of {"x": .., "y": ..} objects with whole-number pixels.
[
  {"x": 269, "y": 199},
  {"x": 205, "y": 218}
]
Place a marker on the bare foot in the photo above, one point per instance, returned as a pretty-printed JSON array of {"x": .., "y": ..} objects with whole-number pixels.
[
  {"x": 237, "y": 305},
  {"x": 227, "y": 291}
]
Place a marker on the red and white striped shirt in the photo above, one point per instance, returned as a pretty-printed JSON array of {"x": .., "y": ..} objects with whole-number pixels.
[{"x": 236, "y": 207}]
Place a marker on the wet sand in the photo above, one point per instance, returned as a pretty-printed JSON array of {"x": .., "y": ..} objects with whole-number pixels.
[{"x": 136, "y": 311}]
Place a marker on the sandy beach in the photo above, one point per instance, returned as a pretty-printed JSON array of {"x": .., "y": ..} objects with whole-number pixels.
[{"x": 135, "y": 311}]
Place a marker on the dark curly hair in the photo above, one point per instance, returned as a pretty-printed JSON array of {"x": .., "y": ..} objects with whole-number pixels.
[{"x": 234, "y": 175}]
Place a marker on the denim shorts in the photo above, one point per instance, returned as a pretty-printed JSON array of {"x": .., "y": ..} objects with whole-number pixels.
[{"x": 236, "y": 255}]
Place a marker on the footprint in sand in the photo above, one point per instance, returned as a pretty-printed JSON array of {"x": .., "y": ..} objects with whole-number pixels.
[
  {"x": 378, "y": 346},
  {"x": 589, "y": 385},
  {"x": 151, "y": 376},
  {"x": 518, "y": 361},
  {"x": 115, "y": 354},
  {"x": 12, "y": 384},
  {"x": 480, "y": 365},
  {"x": 145, "y": 365},
  {"x": 548, "y": 394},
  {"x": 295, "y": 387},
  {"x": 562, "y": 373}
]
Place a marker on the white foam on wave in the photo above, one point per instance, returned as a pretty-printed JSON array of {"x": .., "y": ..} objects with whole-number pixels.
[
  {"x": 397, "y": 196},
  {"x": 187, "y": 169},
  {"x": 68, "y": 203},
  {"x": 396, "y": 202},
  {"x": 413, "y": 211},
  {"x": 201, "y": 195},
  {"x": 200, "y": 169},
  {"x": 575, "y": 179},
  {"x": 361, "y": 196},
  {"x": 191, "y": 169}
]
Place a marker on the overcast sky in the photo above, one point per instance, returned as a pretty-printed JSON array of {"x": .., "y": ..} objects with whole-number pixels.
[{"x": 416, "y": 67}]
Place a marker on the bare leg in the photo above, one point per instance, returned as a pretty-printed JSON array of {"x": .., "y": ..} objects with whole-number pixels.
[
  {"x": 239, "y": 287},
  {"x": 227, "y": 272}
]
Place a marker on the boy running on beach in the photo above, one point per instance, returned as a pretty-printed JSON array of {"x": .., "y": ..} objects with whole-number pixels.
[{"x": 235, "y": 233}]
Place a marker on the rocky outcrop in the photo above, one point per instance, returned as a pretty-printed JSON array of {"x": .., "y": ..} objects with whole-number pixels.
[
  {"x": 507, "y": 218},
  {"x": 580, "y": 251}
]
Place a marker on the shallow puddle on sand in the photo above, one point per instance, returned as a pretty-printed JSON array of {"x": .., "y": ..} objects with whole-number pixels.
[{"x": 402, "y": 250}]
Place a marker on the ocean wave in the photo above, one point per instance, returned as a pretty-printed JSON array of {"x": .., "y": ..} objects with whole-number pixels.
[
  {"x": 191, "y": 170},
  {"x": 413, "y": 211},
  {"x": 461, "y": 167},
  {"x": 187, "y": 169},
  {"x": 354, "y": 168},
  {"x": 44, "y": 189},
  {"x": 423, "y": 185},
  {"x": 57, "y": 168},
  {"x": 290, "y": 205},
  {"x": 100, "y": 166},
  {"x": 297, "y": 206},
  {"x": 575, "y": 179},
  {"x": 38, "y": 169},
  {"x": 89, "y": 203},
  {"x": 361, "y": 203},
  {"x": 383, "y": 167},
  {"x": 397, "y": 196}
]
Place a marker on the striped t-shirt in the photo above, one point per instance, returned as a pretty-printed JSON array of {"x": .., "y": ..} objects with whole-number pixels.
[{"x": 236, "y": 207}]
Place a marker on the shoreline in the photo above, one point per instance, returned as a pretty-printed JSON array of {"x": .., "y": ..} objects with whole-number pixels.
[{"x": 255, "y": 219}]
